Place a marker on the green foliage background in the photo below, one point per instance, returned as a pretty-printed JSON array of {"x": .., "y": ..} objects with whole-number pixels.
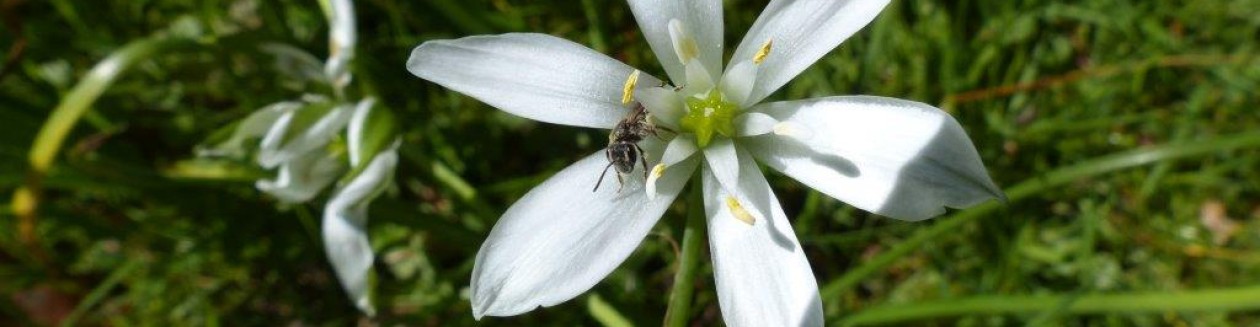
[{"x": 132, "y": 230}]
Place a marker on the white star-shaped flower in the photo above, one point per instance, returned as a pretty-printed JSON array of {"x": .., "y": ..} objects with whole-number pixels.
[
  {"x": 302, "y": 140},
  {"x": 896, "y": 158}
]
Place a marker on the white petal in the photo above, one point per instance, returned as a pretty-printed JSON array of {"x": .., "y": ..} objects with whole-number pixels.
[
  {"x": 722, "y": 159},
  {"x": 345, "y": 232},
  {"x": 302, "y": 177},
  {"x": 897, "y": 158},
  {"x": 698, "y": 79},
  {"x": 679, "y": 149},
  {"x": 702, "y": 20},
  {"x": 663, "y": 103},
  {"x": 754, "y": 123},
  {"x": 354, "y": 131},
  {"x": 341, "y": 41},
  {"x": 536, "y": 76},
  {"x": 802, "y": 32},
  {"x": 561, "y": 239},
  {"x": 762, "y": 275},
  {"x": 260, "y": 121},
  {"x": 295, "y": 62},
  {"x": 738, "y": 82},
  {"x": 256, "y": 125},
  {"x": 316, "y": 135},
  {"x": 269, "y": 146}
]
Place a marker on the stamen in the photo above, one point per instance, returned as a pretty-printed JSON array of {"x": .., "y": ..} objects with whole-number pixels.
[
  {"x": 793, "y": 130},
  {"x": 763, "y": 53},
  {"x": 657, "y": 172},
  {"x": 684, "y": 46},
  {"x": 627, "y": 91},
  {"x": 738, "y": 211}
]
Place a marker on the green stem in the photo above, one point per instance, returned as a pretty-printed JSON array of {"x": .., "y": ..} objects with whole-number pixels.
[
  {"x": 1201, "y": 300},
  {"x": 605, "y": 313},
  {"x": 67, "y": 113},
  {"x": 1033, "y": 186},
  {"x": 679, "y": 310}
]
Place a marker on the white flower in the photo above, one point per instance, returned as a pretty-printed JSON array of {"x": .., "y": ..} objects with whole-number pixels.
[
  {"x": 296, "y": 142},
  {"x": 295, "y": 138},
  {"x": 897, "y": 158},
  {"x": 345, "y": 214},
  {"x": 301, "y": 139}
]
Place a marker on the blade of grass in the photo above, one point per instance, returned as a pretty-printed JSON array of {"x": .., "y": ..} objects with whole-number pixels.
[
  {"x": 68, "y": 112},
  {"x": 1224, "y": 299},
  {"x": 605, "y": 313},
  {"x": 100, "y": 291}
]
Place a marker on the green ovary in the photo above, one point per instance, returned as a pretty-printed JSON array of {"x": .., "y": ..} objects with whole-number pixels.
[{"x": 709, "y": 114}]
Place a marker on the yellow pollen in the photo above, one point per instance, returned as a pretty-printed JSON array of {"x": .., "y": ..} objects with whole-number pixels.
[
  {"x": 689, "y": 50},
  {"x": 658, "y": 170},
  {"x": 763, "y": 53},
  {"x": 627, "y": 92},
  {"x": 738, "y": 211}
]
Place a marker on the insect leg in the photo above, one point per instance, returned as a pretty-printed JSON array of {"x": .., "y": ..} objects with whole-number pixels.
[
  {"x": 643, "y": 159},
  {"x": 620, "y": 183}
]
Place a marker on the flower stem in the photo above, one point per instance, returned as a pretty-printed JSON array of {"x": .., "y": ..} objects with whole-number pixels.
[
  {"x": 1247, "y": 297},
  {"x": 1036, "y": 185},
  {"x": 688, "y": 261}
]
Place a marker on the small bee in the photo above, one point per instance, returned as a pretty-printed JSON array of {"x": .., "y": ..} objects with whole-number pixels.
[{"x": 623, "y": 144}]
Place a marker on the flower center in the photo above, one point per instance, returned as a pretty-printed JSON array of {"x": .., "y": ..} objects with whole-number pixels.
[{"x": 707, "y": 114}]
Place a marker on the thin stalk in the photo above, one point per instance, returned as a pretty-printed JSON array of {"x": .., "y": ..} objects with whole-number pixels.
[
  {"x": 1031, "y": 187},
  {"x": 1247, "y": 297},
  {"x": 605, "y": 313},
  {"x": 680, "y": 297},
  {"x": 99, "y": 292},
  {"x": 67, "y": 113}
]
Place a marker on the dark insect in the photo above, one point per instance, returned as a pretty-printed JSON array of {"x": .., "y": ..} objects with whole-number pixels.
[{"x": 623, "y": 145}]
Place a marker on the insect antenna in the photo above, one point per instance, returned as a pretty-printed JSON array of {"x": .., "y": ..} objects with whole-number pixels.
[{"x": 601, "y": 177}]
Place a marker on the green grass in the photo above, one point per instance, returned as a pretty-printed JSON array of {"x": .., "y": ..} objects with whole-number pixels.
[{"x": 1111, "y": 124}]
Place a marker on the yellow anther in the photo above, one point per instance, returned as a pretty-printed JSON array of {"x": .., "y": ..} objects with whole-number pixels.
[
  {"x": 738, "y": 211},
  {"x": 627, "y": 92},
  {"x": 763, "y": 53},
  {"x": 689, "y": 50},
  {"x": 658, "y": 170},
  {"x": 684, "y": 46}
]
